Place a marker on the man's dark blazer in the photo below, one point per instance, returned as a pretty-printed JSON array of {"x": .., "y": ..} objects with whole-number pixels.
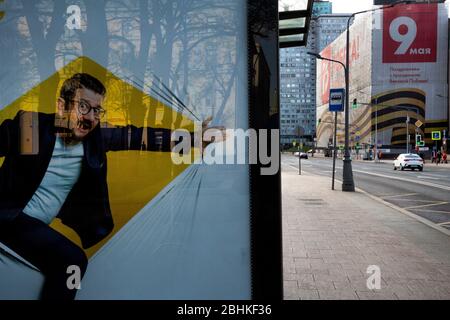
[{"x": 86, "y": 209}]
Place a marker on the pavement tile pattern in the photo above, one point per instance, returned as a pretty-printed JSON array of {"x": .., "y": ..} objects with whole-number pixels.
[{"x": 330, "y": 238}]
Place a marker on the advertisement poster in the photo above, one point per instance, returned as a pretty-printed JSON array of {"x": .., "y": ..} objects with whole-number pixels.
[
  {"x": 410, "y": 66},
  {"x": 331, "y": 76},
  {"x": 113, "y": 80},
  {"x": 398, "y": 71}
]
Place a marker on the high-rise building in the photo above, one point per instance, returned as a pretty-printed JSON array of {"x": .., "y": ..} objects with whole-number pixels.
[
  {"x": 298, "y": 75},
  {"x": 321, "y": 7},
  {"x": 329, "y": 27}
]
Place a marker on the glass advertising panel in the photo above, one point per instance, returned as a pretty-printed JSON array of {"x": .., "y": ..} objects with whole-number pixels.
[{"x": 125, "y": 167}]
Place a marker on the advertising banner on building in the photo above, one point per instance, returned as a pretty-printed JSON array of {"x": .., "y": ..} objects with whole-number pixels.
[
  {"x": 331, "y": 74},
  {"x": 97, "y": 97},
  {"x": 410, "y": 53},
  {"x": 398, "y": 69}
]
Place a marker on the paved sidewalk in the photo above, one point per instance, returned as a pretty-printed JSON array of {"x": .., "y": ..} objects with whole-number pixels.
[{"x": 331, "y": 237}]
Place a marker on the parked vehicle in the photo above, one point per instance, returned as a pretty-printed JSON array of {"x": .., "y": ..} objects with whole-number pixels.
[{"x": 408, "y": 160}]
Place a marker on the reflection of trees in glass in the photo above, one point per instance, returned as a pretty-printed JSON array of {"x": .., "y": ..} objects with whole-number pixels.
[
  {"x": 263, "y": 26},
  {"x": 261, "y": 18},
  {"x": 181, "y": 47},
  {"x": 189, "y": 45},
  {"x": 179, "y": 42},
  {"x": 214, "y": 39},
  {"x": 45, "y": 23},
  {"x": 45, "y": 20},
  {"x": 15, "y": 45}
]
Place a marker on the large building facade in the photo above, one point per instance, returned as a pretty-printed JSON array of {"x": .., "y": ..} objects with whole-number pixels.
[
  {"x": 298, "y": 76},
  {"x": 401, "y": 86}
]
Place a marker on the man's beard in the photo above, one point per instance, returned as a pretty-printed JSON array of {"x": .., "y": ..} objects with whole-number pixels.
[
  {"x": 84, "y": 124},
  {"x": 67, "y": 131}
]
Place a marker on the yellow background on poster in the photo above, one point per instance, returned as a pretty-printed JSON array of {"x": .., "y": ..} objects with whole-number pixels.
[{"x": 134, "y": 177}]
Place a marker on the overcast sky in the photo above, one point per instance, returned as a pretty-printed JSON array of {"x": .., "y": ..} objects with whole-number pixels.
[
  {"x": 350, "y": 6},
  {"x": 339, "y": 6}
]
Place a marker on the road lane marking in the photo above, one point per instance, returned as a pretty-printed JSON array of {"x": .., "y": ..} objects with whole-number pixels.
[
  {"x": 426, "y": 205},
  {"x": 405, "y": 212},
  {"x": 400, "y": 195},
  {"x": 436, "y": 211},
  {"x": 443, "y": 223},
  {"x": 429, "y": 184},
  {"x": 430, "y": 201},
  {"x": 430, "y": 175},
  {"x": 427, "y": 177}
]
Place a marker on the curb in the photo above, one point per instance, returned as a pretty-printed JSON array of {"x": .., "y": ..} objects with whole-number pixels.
[
  {"x": 408, "y": 213},
  {"x": 403, "y": 211}
]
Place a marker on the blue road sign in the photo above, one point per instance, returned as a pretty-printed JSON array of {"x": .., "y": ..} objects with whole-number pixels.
[
  {"x": 337, "y": 98},
  {"x": 436, "y": 135}
]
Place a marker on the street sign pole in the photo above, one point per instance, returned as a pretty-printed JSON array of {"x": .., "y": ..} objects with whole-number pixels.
[
  {"x": 299, "y": 161},
  {"x": 376, "y": 129},
  {"x": 407, "y": 133},
  {"x": 436, "y": 136},
  {"x": 334, "y": 150},
  {"x": 336, "y": 104},
  {"x": 444, "y": 141}
]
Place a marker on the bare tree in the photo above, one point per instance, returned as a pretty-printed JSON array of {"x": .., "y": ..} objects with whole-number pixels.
[{"x": 45, "y": 24}]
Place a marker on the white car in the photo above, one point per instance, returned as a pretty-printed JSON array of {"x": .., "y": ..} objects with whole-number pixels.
[
  {"x": 408, "y": 160},
  {"x": 302, "y": 155}
]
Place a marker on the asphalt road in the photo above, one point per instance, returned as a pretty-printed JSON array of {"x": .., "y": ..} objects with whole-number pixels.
[{"x": 426, "y": 193}]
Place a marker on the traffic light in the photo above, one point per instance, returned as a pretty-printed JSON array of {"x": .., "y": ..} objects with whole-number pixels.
[
  {"x": 419, "y": 141},
  {"x": 355, "y": 104}
]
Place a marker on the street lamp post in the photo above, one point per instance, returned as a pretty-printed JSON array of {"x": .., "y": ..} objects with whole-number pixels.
[
  {"x": 376, "y": 130},
  {"x": 407, "y": 132},
  {"x": 318, "y": 56},
  {"x": 347, "y": 176},
  {"x": 347, "y": 179}
]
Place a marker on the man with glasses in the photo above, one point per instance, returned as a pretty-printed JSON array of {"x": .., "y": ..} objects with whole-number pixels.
[{"x": 67, "y": 179}]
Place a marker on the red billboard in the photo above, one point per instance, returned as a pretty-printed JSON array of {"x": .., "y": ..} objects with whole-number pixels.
[
  {"x": 325, "y": 78},
  {"x": 410, "y": 34}
]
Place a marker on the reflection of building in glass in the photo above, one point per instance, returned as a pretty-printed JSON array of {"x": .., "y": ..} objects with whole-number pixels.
[
  {"x": 261, "y": 85},
  {"x": 298, "y": 75}
]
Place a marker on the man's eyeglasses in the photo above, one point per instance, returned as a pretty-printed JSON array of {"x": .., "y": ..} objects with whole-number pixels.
[{"x": 84, "y": 108}]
